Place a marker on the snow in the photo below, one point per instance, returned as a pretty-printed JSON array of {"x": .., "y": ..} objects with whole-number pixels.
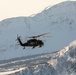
[
  {"x": 11, "y": 72},
  {"x": 44, "y": 64},
  {"x": 59, "y": 20}
]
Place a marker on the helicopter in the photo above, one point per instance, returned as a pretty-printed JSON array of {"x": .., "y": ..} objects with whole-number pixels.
[{"x": 32, "y": 42}]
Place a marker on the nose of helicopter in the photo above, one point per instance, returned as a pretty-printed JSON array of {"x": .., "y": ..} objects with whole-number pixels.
[{"x": 42, "y": 44}]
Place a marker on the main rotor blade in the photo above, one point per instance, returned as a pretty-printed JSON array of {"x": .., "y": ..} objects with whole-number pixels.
[{"x": 39, "y": 35}]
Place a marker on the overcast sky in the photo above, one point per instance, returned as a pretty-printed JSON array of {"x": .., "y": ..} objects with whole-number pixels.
[{"x": 15, "y": 8}]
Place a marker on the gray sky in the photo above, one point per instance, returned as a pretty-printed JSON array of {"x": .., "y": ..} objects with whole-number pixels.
[{"x": 15, "y": 8}]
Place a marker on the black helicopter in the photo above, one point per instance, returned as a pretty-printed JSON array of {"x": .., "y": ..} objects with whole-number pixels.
[{"x": 34, "y": 42}]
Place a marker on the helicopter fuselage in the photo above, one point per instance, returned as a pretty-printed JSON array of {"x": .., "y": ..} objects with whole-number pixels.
[
  {"x": 32, "y": 43},
  {"x": 35, "y": 42}
]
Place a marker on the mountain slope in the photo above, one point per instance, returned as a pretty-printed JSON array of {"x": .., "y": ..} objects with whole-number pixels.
[
  {"x": 62, "y": 62},
  {"x": 59, "y": 20}
]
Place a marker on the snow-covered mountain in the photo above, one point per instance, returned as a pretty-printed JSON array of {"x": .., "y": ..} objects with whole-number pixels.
[
  {"x": 59, "y": 20},
  {"x": 62, "y": 62}
]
